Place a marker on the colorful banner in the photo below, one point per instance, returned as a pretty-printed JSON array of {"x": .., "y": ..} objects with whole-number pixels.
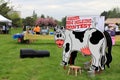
[{"x": 81, "y": 23}]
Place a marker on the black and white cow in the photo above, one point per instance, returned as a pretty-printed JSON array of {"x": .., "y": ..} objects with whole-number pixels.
[
  {"x": 89, "y": 42},
  {"x": 108, "y": 51}
]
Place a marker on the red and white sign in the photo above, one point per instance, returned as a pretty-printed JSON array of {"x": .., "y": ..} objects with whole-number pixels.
[{"x": 81, "y": 23}]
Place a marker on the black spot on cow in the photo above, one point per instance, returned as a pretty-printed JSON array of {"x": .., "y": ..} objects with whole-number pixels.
[
  {"x": 79, "y": 35},
  {"x": 96, "y": 37},
  {"x": 67, "y": 47}
]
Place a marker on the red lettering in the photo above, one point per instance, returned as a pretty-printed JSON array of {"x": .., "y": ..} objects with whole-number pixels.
[
  {"x": 86, "y": 21},
  {"x": 89, "y": 25},
  {"x": 73, "y": 18},
  {"x": 77, "y": 22},
  {"x": 71, "y": 27},
  {"x": 69, "y": 22},
  {"x": 85, "y": 25}
]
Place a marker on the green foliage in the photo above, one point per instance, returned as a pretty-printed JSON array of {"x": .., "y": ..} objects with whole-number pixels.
[
  {"x": 8, "y": 12},
  {"x": 42, "y": 16},
  {"x": 16, "y": 20},
  {"x": 34, "y": 16},
  {"x": 113, "y": 13},
  {"x": 63, "y": 21},
  {"x": 12, "y": 67},
  {"x": 4, "y": 8},
  {"x": 29, "y": 21}
]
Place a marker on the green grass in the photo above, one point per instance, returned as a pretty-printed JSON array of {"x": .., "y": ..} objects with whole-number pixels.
[{"x": 12, "y": 67}]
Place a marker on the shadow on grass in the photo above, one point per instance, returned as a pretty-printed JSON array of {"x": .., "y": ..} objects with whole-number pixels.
[{"x": 116, "y": 45}]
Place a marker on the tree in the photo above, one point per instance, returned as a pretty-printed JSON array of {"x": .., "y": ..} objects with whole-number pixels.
[
  {"x": 40, "y": 21},
  {"x": 34, "y": 16},
  {"x": 105, "y": 13},
  {"x": 16, "y": 20},
  {"x": 63, "y": 21},
  {"x": 4, "y": 8},
  {"x": 46, "y": 22},
  {"x": 29, "y": 21},
  {"x": 42, "y": 16},
  {"x": 113, "y": 13}
]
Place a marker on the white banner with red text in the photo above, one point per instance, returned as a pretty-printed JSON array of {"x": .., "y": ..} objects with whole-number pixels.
[{"x": 82, "y": 23}]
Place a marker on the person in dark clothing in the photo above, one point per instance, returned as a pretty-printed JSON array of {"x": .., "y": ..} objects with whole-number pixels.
[{"x": 24, "y": 28}]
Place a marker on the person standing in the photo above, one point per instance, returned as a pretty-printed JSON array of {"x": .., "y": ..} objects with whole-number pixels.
[
  {"x": 112, "y": 33},
  {"x": 3, "y": 29},
  {"x": 24, "y": 28},
  {"x": 37, "y": 29},
  {"x": 7, "y": 29}
]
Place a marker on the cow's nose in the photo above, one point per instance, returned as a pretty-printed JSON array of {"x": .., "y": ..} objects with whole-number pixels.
[
  {"x": 57, "y": 35},
  {"x": 60, "y": 35}
]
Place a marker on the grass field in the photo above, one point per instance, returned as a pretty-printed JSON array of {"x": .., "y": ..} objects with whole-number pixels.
[{"x": 12, "y": 67}]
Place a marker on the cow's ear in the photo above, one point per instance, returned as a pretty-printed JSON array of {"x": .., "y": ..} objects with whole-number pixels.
[{"x": 55, "y": 28}]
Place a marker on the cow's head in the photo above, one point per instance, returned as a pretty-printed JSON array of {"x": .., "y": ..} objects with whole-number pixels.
[{"x": 59, "y": 36}]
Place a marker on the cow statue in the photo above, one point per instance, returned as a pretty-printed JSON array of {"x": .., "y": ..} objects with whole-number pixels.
[
  {"x": 108, "y": 51},
  {"x": 89, "y": 42}
]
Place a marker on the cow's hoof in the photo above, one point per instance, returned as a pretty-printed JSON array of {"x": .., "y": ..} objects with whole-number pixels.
[{"x": 102, "y": 68}]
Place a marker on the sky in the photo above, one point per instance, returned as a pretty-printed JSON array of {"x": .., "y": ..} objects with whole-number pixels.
[{"x": 61, "y": 8}]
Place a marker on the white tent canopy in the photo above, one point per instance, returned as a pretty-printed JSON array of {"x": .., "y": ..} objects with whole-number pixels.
[{"x": 3, "y": 19}]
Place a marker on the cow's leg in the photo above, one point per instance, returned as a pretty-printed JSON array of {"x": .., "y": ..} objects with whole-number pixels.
[
  {"x": 95, "y": 61},
  {"x": 65, "y": 57},
  {"x": 92, "y": 62},
  {"x": 66, "y": 53},
  {"x": 72, "y": 57},
  {"x": 103, "y": 57},
  {"x": 95, "y": 45},
  {"x": 96, "y": 57}
]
